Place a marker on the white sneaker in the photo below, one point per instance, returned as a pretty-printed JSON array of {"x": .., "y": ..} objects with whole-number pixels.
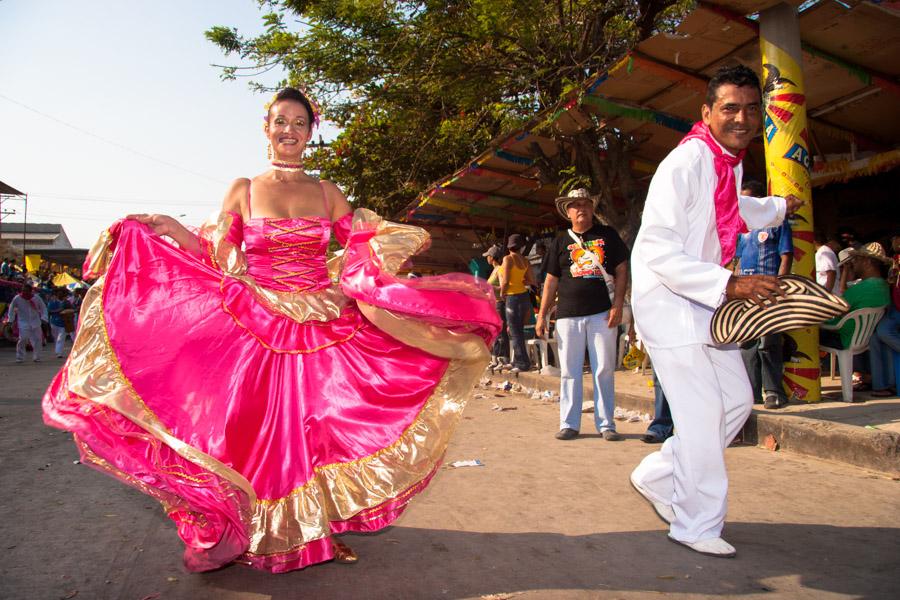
[
  {"x": 18, "y": 360},
  {"x": 663, "y": 511},
  {"x": 712, "y": 547}
]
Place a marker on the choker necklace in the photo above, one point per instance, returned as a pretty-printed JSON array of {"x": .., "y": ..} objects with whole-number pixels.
[{"x": 290, "y": 167}]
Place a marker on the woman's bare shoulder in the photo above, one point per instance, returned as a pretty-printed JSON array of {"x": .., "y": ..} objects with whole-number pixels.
[
  {"x": 237, "y": 195},
  {"x": 336, "y": 199}
]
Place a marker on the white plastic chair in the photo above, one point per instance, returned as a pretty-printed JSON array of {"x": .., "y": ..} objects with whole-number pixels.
[
  {"x": 865, "y": 319},
  {"x": 545, "y": 346}
]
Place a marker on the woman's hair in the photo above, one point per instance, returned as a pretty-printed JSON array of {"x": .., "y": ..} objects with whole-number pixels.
[{"x": 290, "y": 93}]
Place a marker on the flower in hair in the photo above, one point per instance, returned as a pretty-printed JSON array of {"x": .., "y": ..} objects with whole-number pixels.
[{"x": 312, "y": 103}]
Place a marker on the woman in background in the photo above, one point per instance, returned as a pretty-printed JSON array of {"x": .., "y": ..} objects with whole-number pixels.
[{"x": 515, "y": 279}]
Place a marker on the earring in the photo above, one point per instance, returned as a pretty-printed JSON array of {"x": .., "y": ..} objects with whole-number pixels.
[{"x": 269, "y": 151}]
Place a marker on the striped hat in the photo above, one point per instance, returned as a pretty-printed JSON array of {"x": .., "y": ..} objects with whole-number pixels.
[{"x": 805, "y": 303}]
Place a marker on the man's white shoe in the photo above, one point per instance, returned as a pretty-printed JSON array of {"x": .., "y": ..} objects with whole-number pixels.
[
  {"x": 663, "y": 511},
  {"x": 712, "y": 547}
]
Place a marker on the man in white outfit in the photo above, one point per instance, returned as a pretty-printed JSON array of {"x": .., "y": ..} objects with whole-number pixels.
[
  {"x": 689, "y": 229},
  {"x": 27, "y": 310}
]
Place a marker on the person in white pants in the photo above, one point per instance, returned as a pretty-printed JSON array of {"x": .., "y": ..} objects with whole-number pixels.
[
  {"x": 27, "y": 310},
  {"x": 580, "y": 264},
  {"x": 692, "y": 217},
  {"x": 57, "y": 309}
]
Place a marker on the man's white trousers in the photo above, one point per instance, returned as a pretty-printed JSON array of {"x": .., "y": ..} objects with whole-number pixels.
[
  {"x": 710, "y": 397},
  {"x": 29, "y": 333}
]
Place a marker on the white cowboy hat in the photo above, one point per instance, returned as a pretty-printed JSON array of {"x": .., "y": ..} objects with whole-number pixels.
[{"x": 562, "y": 203}]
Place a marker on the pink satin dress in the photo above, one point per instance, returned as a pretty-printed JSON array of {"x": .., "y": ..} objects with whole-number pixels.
[{"x": 266, "y": 397}]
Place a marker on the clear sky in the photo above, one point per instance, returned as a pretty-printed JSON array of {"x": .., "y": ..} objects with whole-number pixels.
[{"x": 138, "y": 74}]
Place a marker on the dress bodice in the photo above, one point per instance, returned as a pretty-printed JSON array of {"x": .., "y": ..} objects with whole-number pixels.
[{"x": 288, "y": 254}]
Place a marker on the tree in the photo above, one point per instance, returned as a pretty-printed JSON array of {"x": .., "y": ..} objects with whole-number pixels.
[{"x": 418, "y": 88}]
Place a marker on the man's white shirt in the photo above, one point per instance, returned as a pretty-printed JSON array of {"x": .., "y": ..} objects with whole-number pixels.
[
  {"x": 827, "y": 260},
  {"x": 28, "y": 315},
  {"x": 677, "y": 279}
]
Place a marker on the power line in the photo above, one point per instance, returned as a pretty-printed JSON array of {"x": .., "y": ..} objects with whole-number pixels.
[
  {"x": 65, "y": 216},
  {"x": 114, "y": 200},
  {"x": 111, "y": 142}
]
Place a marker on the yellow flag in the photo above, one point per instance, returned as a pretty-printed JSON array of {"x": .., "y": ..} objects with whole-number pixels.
[{"x": 32, "y": 262}]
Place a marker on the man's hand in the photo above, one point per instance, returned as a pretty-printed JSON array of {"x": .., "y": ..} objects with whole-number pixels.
[
  {"x": 540, "y": 326},
  {"x": 793, "y": 204},
  {"x": 614, "y": 317},
  {"x": 758, "y": 288}
]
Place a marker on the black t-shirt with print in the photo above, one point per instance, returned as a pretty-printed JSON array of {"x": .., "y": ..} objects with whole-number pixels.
[{"x": 582, "y": 290}]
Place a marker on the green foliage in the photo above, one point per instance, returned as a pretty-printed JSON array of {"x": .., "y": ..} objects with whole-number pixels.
[
  {"x": 571, "y": 179},
  {"x": 418, "y": 88}
]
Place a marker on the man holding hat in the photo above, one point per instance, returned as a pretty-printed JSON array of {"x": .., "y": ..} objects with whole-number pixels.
[
  {"x": 692, "y": 218},
  {"x": 587, "y": 266}
]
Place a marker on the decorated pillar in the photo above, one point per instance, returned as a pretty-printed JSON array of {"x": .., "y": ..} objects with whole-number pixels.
[{"x": 788, "y": 164}]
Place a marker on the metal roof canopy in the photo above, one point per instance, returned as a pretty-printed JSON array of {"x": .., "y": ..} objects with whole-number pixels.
[
  {"x": 8, "y": 190},
  {"x": 655, "y": 93}
]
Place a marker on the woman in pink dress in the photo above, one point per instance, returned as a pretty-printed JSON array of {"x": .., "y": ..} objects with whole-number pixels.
[{"x": 267, "y": 397}]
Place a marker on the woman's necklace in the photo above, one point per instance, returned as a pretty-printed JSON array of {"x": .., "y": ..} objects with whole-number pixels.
[{"x": 290, "y": 167}]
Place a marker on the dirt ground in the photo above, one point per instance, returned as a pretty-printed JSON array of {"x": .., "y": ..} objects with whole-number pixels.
[{"x": 541, "y": 519}]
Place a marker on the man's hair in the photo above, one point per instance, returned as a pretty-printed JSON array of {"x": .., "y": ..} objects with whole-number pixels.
[
  {"x": 737, "y": 75},
  {"x": 756, "y": 188},
  {"x": 848, "y": 231}
]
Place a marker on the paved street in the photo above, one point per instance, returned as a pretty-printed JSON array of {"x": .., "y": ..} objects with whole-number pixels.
[{"x": 540, "y": 519}]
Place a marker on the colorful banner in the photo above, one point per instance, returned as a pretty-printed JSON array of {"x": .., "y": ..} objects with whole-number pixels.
[{"x": 788, "y": 164}]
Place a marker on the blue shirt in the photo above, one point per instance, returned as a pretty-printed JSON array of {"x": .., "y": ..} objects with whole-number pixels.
[
  {"x": 760, "y": 250},
  {"x": 53, "y": 308}
]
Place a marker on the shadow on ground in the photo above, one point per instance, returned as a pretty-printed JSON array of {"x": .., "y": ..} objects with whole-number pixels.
[{"x": 427, "y": 563}]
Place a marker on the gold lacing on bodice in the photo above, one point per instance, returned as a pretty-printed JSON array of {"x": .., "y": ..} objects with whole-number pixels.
[{"x": 285, "y": 248}]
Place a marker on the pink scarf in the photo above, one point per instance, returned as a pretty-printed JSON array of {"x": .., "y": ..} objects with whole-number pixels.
[{"x": 728, "y": 219}]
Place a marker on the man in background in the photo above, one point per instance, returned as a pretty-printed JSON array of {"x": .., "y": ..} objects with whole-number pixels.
[
  {"x": 766, "y": 251},
  {"x": 27, "y": 311},
  {"x": 579, "y": 262},
  {"x": 826, "y": 263}
]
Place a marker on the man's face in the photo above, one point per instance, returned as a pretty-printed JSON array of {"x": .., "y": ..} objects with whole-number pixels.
[
  {"x": 580, "y": 211},
  {"x": 734, "y": 117}
]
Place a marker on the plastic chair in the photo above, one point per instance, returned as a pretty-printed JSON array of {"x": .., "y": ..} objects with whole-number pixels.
[
  {"x": 865, "y": 319},
  {"x": 544, "y": 347}
]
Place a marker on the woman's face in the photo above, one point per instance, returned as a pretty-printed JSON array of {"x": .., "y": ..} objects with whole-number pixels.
[{"x": 288, "y": 129}]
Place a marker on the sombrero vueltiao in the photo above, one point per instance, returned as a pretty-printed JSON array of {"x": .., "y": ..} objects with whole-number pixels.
[
  {"x": 872, "y": 250},
  {"x": 562, "y": 203},
  {"x": 805, "y": 303}
]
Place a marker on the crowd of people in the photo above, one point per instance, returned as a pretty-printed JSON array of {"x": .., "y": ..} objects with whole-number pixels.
[{"x": 35, "y": 311}]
